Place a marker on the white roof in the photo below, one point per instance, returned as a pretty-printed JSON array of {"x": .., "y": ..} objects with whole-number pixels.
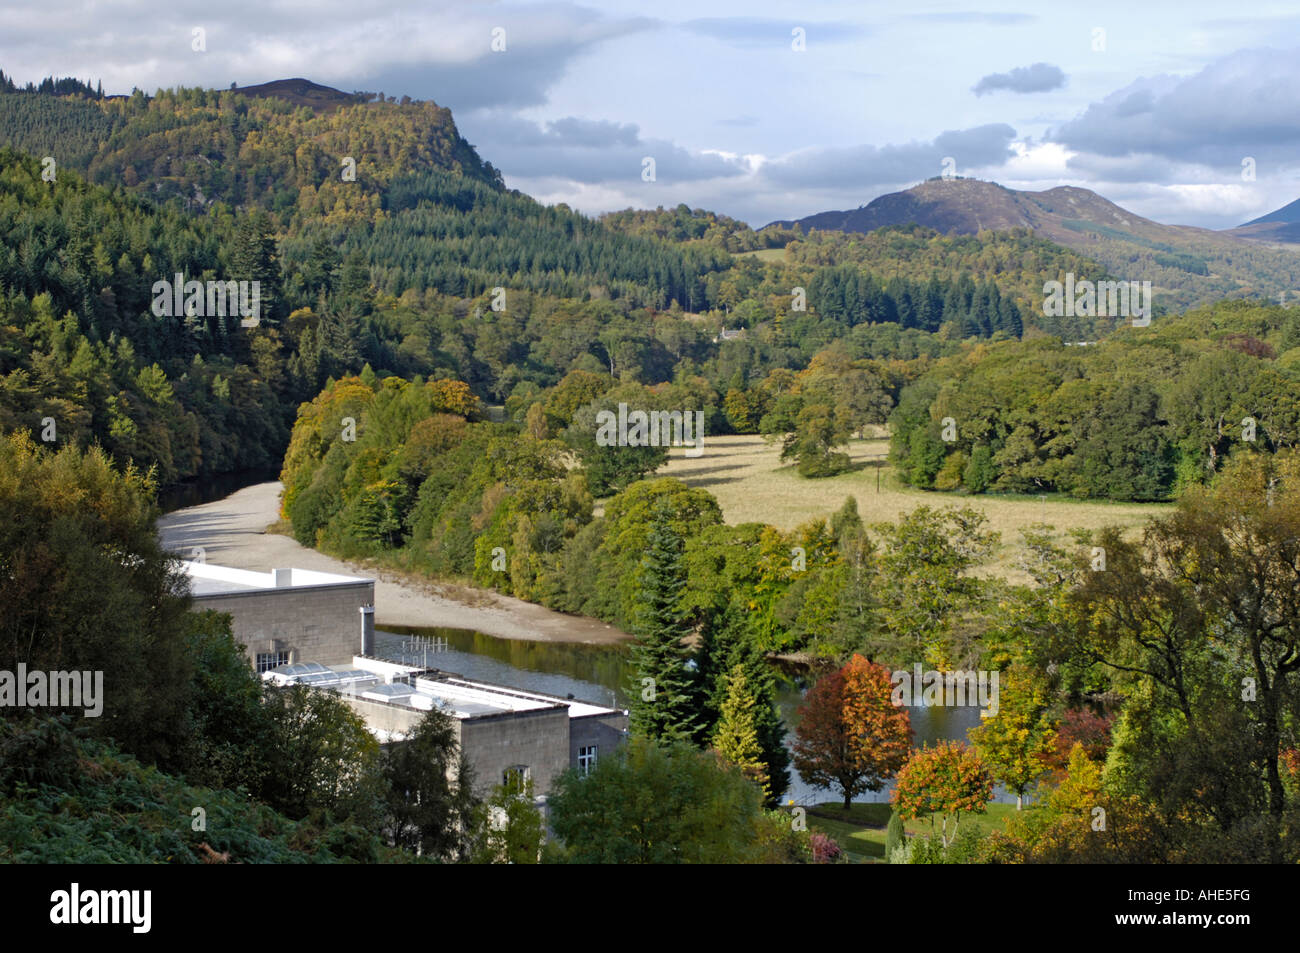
[{"x": 208, "y": 579}]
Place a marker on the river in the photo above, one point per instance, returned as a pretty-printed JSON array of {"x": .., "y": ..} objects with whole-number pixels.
[
  {"x": 576, "y": 656},
  {"x": 597, "y": 673}
]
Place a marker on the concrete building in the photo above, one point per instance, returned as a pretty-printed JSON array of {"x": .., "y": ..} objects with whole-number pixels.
[
  {"x": 502, "y": 731},
  {"x": 288, "y": 615},
  {"x": 318, "y": 629}
]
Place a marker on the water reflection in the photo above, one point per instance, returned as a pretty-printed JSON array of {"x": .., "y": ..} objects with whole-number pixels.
[
  {"x": 597, "y": 673},
  {"x": 591, "y": 673}
]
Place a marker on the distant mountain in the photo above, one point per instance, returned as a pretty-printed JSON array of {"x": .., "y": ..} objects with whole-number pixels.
[
  {"x": 1289, "y": 213},
  {"x": 1186, "y": 265},
  {"x": 968, "y": 206},
  {"x": 1281, "y": 226},
  {"x": 303, "y": 92}
]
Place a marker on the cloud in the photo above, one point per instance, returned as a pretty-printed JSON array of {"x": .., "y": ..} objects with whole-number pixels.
[
  {"x": 1038, "y": 78},
  {"x": 436, "y": 49},
  {"x": 1241, "y": 105},
  {"x": 596, "y": 167},
  {"x": 869, "y": 165},
  {"x": 590, "y": 152},
  {"x": 757, "y": 31}
]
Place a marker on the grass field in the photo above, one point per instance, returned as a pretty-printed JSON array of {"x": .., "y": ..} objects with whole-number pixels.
[
  {"x": 861, "y": 830},
  {"x": 763, "y": 254},
  {"x": 751, "y": 484}
]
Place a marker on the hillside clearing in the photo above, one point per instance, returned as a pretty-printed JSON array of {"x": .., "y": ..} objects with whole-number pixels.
[{"x": 751, "y": 484}]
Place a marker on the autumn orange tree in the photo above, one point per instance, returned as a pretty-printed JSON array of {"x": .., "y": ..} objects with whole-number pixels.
[
  {"x": 945, "y": 779},
  {"x": 850, "y": 735}
]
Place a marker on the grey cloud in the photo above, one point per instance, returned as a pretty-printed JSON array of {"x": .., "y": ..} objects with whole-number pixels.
[
  {"x": 587, "y": 151},
  {"x": 432, "y": 49},
  {"x": 517, "y": 78},
  {"x": 1242, "y": 105},
  {"x": 1143, "y": 168},
  {"x": 1038, "y": 78},
  {"x": 865, "y": 166}
]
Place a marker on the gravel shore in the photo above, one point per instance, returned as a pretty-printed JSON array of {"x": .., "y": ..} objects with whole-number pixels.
[{"x": 232, "y": 532}]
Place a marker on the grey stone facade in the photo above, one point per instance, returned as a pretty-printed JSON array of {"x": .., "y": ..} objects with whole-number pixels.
[
  {"x": 312, "y": 623},
  {"x": 546, "y": 740}
]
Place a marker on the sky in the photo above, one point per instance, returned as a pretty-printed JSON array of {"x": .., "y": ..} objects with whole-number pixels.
[{"x": 1185, "y": 112}]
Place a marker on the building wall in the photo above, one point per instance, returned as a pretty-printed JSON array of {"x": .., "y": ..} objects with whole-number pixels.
[
  {"x": 537, "y": 739},
  {"x": 381, "y": 716},
  {"x": 312, "y": 623},
  {"x": 493, "y": 743},
  {"x": 604, "y": 732}
]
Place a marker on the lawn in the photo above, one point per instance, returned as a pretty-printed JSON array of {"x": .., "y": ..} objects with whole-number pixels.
[
  {"x": 861, "y": 830},
  {"x": 763, "y": 254},
  {"x": 751, "y": 484}
]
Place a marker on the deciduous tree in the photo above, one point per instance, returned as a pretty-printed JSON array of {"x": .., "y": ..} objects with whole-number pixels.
[{"x": 850, "y": 734}]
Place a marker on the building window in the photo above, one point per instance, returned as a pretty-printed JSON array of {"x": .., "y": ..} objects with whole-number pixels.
[
  {"x": 269, "y": 660},
  {"x": 513, "y": 779},
  {"x": 587, "y": 759}
]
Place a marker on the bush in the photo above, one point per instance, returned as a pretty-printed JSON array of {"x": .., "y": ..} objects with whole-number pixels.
[
  {"x": 950, "y": 475},
  {"x": 893, "y": 835},
  {"x": 980, "y": 471},
  {"x": 825, "y": 850}
]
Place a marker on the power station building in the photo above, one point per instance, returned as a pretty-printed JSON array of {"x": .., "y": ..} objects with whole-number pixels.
[
  {"x": 504, "y": 732},
  {"x": 318, "y": 629},
  {"x": 287, "y": 615}
]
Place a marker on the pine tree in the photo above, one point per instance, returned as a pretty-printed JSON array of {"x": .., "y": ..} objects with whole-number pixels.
[
  {"x": 735, "y": 738},
  {"x": 1009, "y": 317},
  {"x": 256, "y": 257},
  {"x": 726, "y": 645},
  {"x": 894, "y": 835},
  {"x": 664, "y": 693}
]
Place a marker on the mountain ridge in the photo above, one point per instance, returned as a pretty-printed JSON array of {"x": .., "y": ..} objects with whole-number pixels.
[{"x": 1187, "y": 264}]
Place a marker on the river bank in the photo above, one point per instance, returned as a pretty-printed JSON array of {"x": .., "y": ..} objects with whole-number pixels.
[{"x": 233, "y": 532}]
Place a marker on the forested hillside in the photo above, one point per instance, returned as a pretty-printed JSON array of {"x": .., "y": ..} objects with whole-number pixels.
[
  {"x": 685, "y": 224},
  {"x": 1017, "y": 261},
  {"x": 1187, "y": 266},
  {"x": 1140, "y": 416},
  {"x": 222, "y": 146},
  {"x": 424, "y": 267},
  {"x": 79, "y": 346}
]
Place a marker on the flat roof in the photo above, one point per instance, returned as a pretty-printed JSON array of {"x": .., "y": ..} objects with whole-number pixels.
[
  {"x": 461, "y": 698},
  {"x": 577, "y": 709},
  {"x": 208, "y": 579}
]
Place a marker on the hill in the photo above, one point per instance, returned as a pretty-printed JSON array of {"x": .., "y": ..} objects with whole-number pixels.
[
  {"x": 65, "y": 798},
  {"x": 1289, "y": 213},
  {"x": 1281, "y": 226},
  {"x": 392, "y": 182},
  {"x": 303, "y": 92},
  {"x": 1186, "y": 265},
  {"x": 1016, "y": 260},
  {"x": 291, "y": 147}
]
